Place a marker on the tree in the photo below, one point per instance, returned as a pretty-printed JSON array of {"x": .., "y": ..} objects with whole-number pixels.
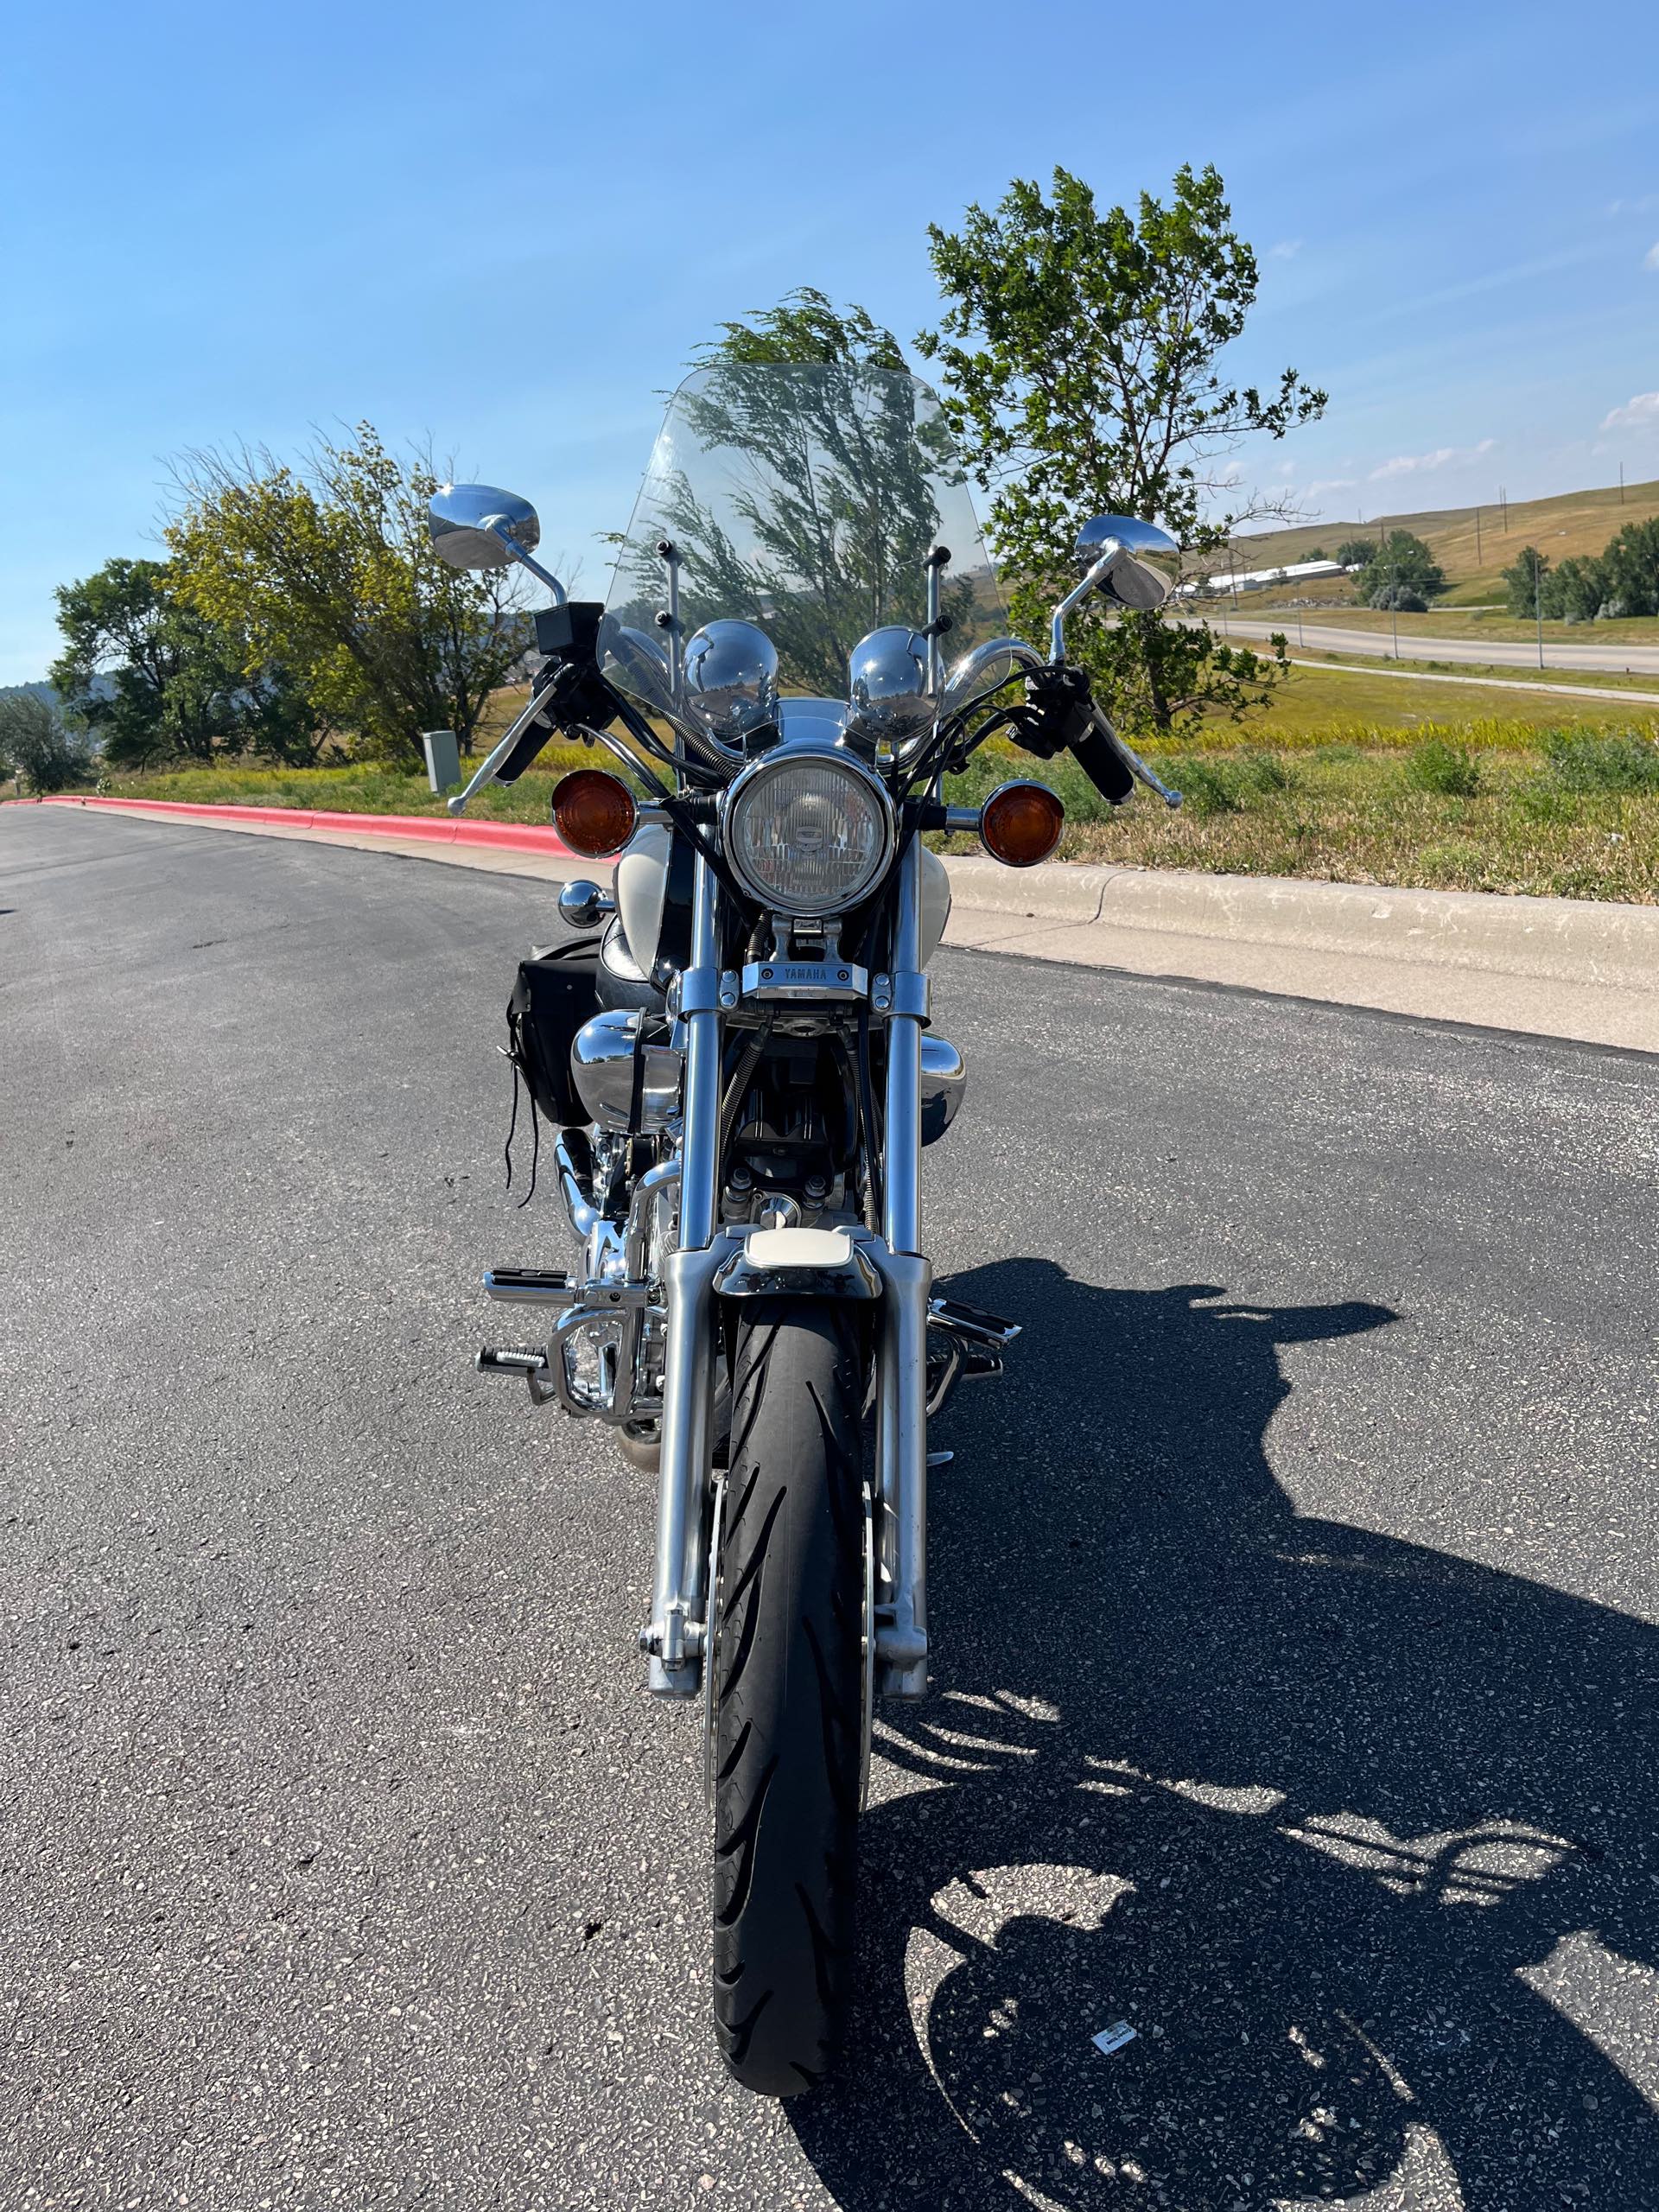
[
  {"x": 806, "y": 325},
  {"x": 326, "y": 570},
  {"x": 153, "y": 680},
  {"x": 1525, "y": 581},
  {"x": 1356, "y": 552},
  {"x": 37, "y": 747},
  {"x": 1631, "y": 561},
  {"x": 1079, "y": 355},
  {"x": 1578, "y": 590},
  {"x": 1401, "y": 573}
]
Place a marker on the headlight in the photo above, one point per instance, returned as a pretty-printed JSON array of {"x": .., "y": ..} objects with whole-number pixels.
[{"x": 808, "y": 833}]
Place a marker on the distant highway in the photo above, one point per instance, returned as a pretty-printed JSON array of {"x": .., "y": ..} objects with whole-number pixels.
[{"x": 1480, "y": 652}]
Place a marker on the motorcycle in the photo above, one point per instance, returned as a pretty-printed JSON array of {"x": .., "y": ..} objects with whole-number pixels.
[{"x": 734, "y": 1052}]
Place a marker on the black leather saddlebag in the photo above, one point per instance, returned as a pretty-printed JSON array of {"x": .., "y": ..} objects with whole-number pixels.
[{"x": 556, "y": 991}]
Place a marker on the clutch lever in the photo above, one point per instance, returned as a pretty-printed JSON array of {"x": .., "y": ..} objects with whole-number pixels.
[{"x": 533, "y": 711}]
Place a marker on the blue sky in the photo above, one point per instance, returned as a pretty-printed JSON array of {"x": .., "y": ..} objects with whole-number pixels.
[{"x": 507, "y": 227}]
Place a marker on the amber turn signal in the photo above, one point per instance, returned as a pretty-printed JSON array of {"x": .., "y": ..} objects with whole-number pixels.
[
  {"x": 1020, "y": 824},
  {"x": 593, "y": 812}
]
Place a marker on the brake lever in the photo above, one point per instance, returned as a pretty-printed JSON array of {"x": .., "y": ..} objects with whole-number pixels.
[{"x": 1134, "y": 763}]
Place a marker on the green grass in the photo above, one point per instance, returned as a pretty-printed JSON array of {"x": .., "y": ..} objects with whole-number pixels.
[
  {"x": 1407, "y": 787},
  {"x": 1568, "y": 813},
  {"x": 1332, "y": 700}
]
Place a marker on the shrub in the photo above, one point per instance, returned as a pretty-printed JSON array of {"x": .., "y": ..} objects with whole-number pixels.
[
  {"x": 1450, "y": 770},
  {"x": 1227, "y": 785},
  {"x": 38, "y": 747},
  {"x": 1598, "y": 760}
]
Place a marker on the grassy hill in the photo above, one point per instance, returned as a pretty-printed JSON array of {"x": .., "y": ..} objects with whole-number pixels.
[{"x": 1572, "y": 522}]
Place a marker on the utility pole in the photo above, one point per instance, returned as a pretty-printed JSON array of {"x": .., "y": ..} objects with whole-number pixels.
[
  {"x": 1504, "y": 502},
  {"x": 1477, "y": 537},
  {"x": 1621, "y": 483},
  {"x": 1538, "y": 600}
]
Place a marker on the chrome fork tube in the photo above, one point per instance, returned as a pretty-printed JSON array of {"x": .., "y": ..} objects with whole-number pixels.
[
  {"x": 901, "y": 1402},
  {"x": 699, "y": 1008},
  {"x": 673, "y": 1637}
]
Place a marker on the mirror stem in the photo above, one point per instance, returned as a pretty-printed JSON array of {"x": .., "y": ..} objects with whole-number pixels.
[
  {"x": 510, "y": 544},
  {"x": 1057, "y": 629}
]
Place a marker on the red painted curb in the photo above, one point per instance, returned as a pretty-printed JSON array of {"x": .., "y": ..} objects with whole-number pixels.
[{"x": 440, "y": 830}]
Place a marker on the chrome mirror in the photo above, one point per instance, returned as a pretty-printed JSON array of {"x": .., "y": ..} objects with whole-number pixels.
[
  {"x": 731, "y": 679},
  {"x": 887, "y": 675},
  {"x": 1142, "y": 563},
  {"x": 475, "y": 526}
]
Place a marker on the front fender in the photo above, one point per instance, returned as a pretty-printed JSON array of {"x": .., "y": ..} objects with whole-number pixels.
[{"x": 798, "y": 1263}]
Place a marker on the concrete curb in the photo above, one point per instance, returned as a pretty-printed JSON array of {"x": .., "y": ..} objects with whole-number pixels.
[
  {"x": 1566, "y": 940},
  {"x": 1577, "y": 968},
  {"x": 424, "y": 829}
]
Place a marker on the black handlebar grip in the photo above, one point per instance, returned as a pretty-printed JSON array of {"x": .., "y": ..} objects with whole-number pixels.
[{"x": 1105, "y": 767}]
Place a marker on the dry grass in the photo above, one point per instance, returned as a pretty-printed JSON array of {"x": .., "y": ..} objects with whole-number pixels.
[
  {"x": 1572, "y": 522},
  {"x": 1499, "y": 807}
]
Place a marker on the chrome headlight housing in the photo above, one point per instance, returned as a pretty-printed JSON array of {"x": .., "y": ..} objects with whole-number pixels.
[{"x": 807, "y": 832}]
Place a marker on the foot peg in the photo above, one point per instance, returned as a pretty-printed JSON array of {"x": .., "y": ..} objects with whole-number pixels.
[
  {"x": 530, "y": 1287},
  {"x": 971, "y": 1322},
  {"x": 524, "y": 1362},
  {"x": 962, "y": 1345}
]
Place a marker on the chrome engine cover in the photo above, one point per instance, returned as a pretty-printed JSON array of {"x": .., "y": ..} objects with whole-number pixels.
[{"x": 602, "y": 1068}]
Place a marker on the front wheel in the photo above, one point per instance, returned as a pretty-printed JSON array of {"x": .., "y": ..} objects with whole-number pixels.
[{"x": 788, "y": 1694}]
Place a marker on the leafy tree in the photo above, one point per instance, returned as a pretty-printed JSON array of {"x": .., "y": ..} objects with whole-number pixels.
[
  {"x": 1356, "y": 552},
  {"x": 1578, "y": 590},
  {"x": 1079, "y": 354},
  {"x": 806, "y": 325},
  {"x": 1631, "y": 560},
  {"x": 37, "y": 747},
  {"x": 1403, "y": 573},
  {"x": 325, "y": 569},
  {"x": 153, "y": 680},
  {"x": 1525, "y": 581}
]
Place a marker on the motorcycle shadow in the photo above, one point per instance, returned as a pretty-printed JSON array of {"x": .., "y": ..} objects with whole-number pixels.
[{"x": 1320, "y": 1815}]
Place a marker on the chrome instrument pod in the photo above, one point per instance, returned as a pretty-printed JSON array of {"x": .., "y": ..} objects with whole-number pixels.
[
  {"x": 886, "y": 675},
  {"x": 1142, "y": 563},
  {"x": 731, "y": 679},
  {"x": 467, "y": 524}
]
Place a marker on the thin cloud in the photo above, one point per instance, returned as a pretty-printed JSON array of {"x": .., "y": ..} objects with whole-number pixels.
[
  {"x": 1650, "y": 258},
  {"x": 1640, "y": 413},
  {"x": 1286, "y": 249},
  {"x": 1424, "y": 464},
  {"x": 1645, "y": 205},
  {"x": 1321, "y": 484}
]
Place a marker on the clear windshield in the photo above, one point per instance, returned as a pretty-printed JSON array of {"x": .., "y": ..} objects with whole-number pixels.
[{"x": 803, "y": 499}]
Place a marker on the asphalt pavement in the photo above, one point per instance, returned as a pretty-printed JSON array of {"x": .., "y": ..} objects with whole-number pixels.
[
  {"x": 1486, "y": 652},
  {"x": 1295, "y": 1604}
]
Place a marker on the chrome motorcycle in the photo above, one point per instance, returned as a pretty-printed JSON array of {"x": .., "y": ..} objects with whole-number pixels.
[{"x": 736, "y": 1050}]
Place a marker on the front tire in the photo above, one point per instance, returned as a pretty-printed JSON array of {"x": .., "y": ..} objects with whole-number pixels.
[{"x": 789, "y": 1695}]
